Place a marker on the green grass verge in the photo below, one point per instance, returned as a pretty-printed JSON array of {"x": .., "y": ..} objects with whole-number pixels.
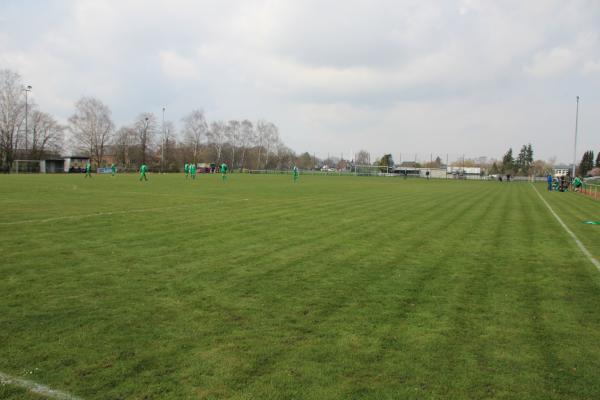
[{"x": 335, "y": 287}]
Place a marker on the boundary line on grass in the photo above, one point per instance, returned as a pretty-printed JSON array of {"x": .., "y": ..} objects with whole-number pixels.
[
  {"x": 100, "y": 214},
  {"x": 36, "y": 388},
  {"x": 581, "y": 246},
  {"x": 77, "y": 216}
]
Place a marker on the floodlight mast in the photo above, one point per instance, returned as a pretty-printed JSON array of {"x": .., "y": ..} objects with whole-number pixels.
[
  {"x": 145, "y": 139},
  {"x": 162, "y": 148},
  {"x": 27, "y": 89},
  {"x": 575, "y": 141}
]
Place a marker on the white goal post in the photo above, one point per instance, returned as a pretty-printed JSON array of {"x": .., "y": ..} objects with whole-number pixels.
[
  {"x": 372, "y": 170},
  {"x": 29, "y": 166}
]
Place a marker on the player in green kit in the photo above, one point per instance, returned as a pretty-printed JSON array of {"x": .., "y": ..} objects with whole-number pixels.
[
  {"x": 113, "y": 169},
  {"x": 193, "y": 171},
  {"x": 143, "y": 170},
  {"x": 577, "y": 184},
  {"x": 186, "y": 169},
  {"x": 88, "y": 170},
  {"x": 295, "y": 174},
  {"x": 224, "y": 172}
]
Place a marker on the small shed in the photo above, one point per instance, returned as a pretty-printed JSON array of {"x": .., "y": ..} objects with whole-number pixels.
[{"x": 52, "y": 165}]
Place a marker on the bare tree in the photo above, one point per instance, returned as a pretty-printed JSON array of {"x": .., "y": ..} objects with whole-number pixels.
[
  {"x": 195, "y": 129},
  {"x": 285, "y": 156},
  {"x": 169, "y": 142},
  {"x": 247, "y": 137},
  {"x": 123, "y": 142},
  {"x": 271, "y": 139},
  {"x": 91, "y": 127},
  {"x": 262, "y": 131},
  {"x": 305, "y": 161},
  {"x": 12, "y": 113},
  {"x": 216, "y": 137},
  {"x": 362, "y": 158},
  {"x": 233, "y": 134},
  {"x": 145, "y": 127},
  {"x": 541, "y": 168},
  {"x": 46, "y": 134}
]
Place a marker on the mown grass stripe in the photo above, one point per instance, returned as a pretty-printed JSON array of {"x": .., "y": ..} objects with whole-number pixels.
[
  {"x": 334, "y": 288},
  {"x": 581, "y": 246}
]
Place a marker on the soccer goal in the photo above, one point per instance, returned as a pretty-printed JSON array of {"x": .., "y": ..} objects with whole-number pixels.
[
  {"x": 373, "y": 170},
  {"x": 28, "y": 166}
]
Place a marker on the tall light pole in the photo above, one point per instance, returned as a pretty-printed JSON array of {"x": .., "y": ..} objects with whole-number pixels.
[
  {"x": 575, "y": 142},
  {"x": 145, "y": 140},
  {"x": 162, "y": 148},
  {"x": 27, "y": 89}
]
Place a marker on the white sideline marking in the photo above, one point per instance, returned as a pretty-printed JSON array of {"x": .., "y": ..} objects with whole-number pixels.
[
  {"x": 98, "y": 214},
  {"x": 36, "y": 388},
  {"x": 583, "y": 249}
]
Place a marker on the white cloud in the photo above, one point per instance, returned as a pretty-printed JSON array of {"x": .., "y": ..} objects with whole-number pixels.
[
  {"x": 177, "y": 67},
  {"x": 548, "y": 64},
  {"x": 592, "y": 67},
  {"x": 326, "y": 72}
]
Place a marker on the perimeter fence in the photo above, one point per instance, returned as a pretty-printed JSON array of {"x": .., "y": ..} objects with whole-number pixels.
[
  {"x": 591, "y": 190},
  {"x": 404, "y": 173}
]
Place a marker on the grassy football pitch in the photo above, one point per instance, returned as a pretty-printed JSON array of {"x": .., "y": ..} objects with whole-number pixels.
[{"x": 332, "y": 288}]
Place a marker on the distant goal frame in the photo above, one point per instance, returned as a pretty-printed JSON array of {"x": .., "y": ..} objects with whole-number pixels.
[{"x": 17, "y": 163}]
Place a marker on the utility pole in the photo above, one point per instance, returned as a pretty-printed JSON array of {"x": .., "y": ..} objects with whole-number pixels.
[{"x": 446, "y": 165}]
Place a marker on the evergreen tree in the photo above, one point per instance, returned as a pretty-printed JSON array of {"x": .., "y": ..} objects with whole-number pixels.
[
  {"x": 524, "y": 159},
  {"x": 587, "y": 162},
  {"x": 529, "y": 154},
  {"x": 521, "y": 162},
  {"x": 508, "y": 162},
  {"x": 386, "y": 162},
  {"x": 598, "y": 160},
  {"x": 494, "y": 169}
]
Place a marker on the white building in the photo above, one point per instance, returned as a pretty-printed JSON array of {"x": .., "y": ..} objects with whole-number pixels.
[
  {"x": 452, "y": 169},
  {"x": 561, "y": 170}
]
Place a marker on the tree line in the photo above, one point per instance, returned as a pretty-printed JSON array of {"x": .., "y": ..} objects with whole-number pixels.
[
  {"x": 43, "y": 136},
  {"x": 523, "y": 164},
  {"x": 91, "y": 132},
  {"x": 588, "y": 166},
  {"x": 240, "y": 144},
  {"x": 29, "y": 133}
]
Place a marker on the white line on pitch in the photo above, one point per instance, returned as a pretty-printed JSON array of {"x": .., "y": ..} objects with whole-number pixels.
[
  {"x": 77, "y": 216},
  {"x": 583, "y": 249},
  {"x": 100, "y": 214},
  {"x": 36, "y": 388}
]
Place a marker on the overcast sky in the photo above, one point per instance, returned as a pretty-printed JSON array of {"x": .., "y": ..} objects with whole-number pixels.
[{"x": 405, "y": 77}]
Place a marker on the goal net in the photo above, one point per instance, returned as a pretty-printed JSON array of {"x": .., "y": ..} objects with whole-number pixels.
[
  {"x": 27, "y": 166},
  {"x": 373, "y": 170}
]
